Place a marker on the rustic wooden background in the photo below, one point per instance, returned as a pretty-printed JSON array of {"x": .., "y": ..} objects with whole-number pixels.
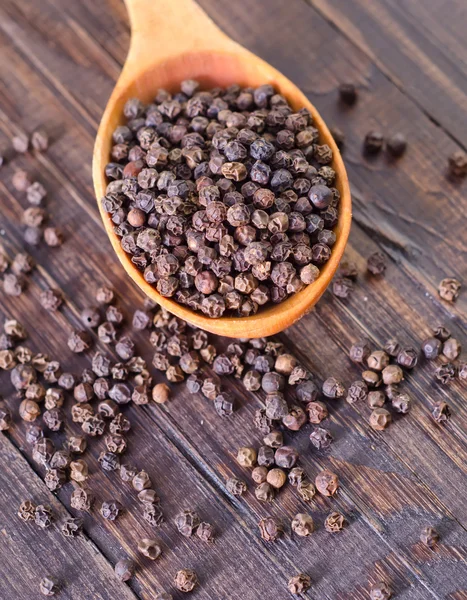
[{"x": 58, "y": 63}]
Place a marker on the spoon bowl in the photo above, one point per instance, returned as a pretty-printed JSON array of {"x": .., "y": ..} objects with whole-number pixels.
[{"x": 173, "y": 40}]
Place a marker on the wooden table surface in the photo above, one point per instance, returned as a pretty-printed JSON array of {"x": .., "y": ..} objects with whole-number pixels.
[{"x": 58, "y": 63}]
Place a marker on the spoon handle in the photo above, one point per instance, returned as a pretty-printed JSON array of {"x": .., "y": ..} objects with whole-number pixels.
[{"x": 162, "y": 29}]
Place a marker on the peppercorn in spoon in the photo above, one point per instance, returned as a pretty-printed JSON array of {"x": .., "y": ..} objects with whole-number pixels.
[{"x": 172, "y": 41}]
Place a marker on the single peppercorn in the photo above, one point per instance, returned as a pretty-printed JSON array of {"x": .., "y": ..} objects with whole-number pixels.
[
  {"x": 321, "y": 438},
  {"x": 274, "y": 439},
  {"x": 380, "y": 419},
  {"x": 327, "y": 483},
  {"x": 372, "y": 379},
  {"x": 296, "y": 475},
  {"x": 457, "y": 164},
  {"x": 141, "y": 481},
  {"x": 360, "y": 351},
  {"x": 276, "y": 478},
  {"x": 270, "y": 529},
  {"x": 187, "y": 522},
  {"x": 357, "y": 392},
  {"x": 48, "y": 586},
  {"x": 449, "y": 289},
  {"x": 306, "y": 490},
  {"x": 185, "y": 580},
  {"x": 149, "y": 548},
  {"x": 407, "y": 358},
  {"x": 401, "y": 403},
  {"x": 246, "y": 457},
  {"x": 334, "y": 522},
  {"x": 441, "y": 412},
  {"x": 303, "y": 525},
  {"x": 299, "y": 584},
  {"x": 43, "y": 516},
  {"x": 286, "y": 457},
  {"x": 124, "y": 569},
  {"x": 376, "y": 264},
  {"x": 27, "y": 510},
  {"x": 82, "y": 499},
  {"x": 110, "y": 510},
  {"x": 380, "y": 591},
  {"x": 264, "y": 492},
  {"x": 431, "y": 348},
  {"x": 71, "y": 527},
  {"x": 206, "y": 532},
  {"x": 373, "y": 142},
  {"x": 376, "y": 399},
  {"x": 429, "y": 536},
  {"x": 348, "y": 93},
  {"x": 317, "y": 412},
  {"x": 396, "y": 145},
  {"x": 451, "y": 349},
  {"x": 259, "y": 474},
  {"x": 446, "y": 373},
  {"x": 392, "y": 374},
  {"x": 333, "y": 388},
  {"x": 236, "y": 487},
  {"x": 378, "y": 360}
]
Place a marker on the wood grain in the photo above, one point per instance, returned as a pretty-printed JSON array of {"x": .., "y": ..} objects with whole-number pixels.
[
  {"x": 393, "y": 483},
  {"x": 423, "y": 52}
]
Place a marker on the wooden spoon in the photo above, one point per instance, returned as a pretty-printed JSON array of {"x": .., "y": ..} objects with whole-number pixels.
[{"x": 173, "y": 40}]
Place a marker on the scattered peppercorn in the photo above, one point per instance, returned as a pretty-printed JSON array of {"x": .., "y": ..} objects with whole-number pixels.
[
  {"x": 446, "y": 373},
  {"x": 270, "y": 529},
  {"x": 360, "y": 351},
  {"x": 376, "y": 263},
  {"x": 306, "y": 489},
  {"x": 327, "y": 483},
  {"x": 27, "y": 511},
  {"x": 48, "y": 586},
  {"x": 380, "y": 591},
  {"x": 441, "y": 412},
  {"x": 429, "y": 536},
  {"x": 373, "y": 142},
  {"x": 334, "y": 522},
  {"x": 348, "y": 93},
  {"x": 396, "y": 145},
  {"x": 149, "y": 548},
  {"x": 303, "y": 525},
  {"x": 246, "y": 457},
  {"x": 380, "y": 418},
  {"x": 185, "y": 580},
  {"x": 449, "y": 288},
  {"x": 124, "y": 569},
  {"x": 299, "y": 584},
  {"x": 457, "y": 163}
]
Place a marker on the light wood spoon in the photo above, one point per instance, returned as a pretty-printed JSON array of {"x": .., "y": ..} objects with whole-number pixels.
[{"x": 173, "y": 40}]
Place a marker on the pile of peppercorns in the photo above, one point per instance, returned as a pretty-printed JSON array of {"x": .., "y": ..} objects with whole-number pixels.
[{"x": 225, "y": 199}]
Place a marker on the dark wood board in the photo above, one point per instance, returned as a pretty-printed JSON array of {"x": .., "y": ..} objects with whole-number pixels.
[
  {"x": 423, "y": 52},
  {"x": 60, "y": 63}
]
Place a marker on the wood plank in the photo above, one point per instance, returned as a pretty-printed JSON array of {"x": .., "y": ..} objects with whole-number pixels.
[
  {"x": 422, "y": 51},
  {"x": 29, "y": 553}
]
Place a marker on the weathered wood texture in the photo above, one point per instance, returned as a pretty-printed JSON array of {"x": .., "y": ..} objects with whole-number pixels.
[{"x": 59, "y": 63}]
